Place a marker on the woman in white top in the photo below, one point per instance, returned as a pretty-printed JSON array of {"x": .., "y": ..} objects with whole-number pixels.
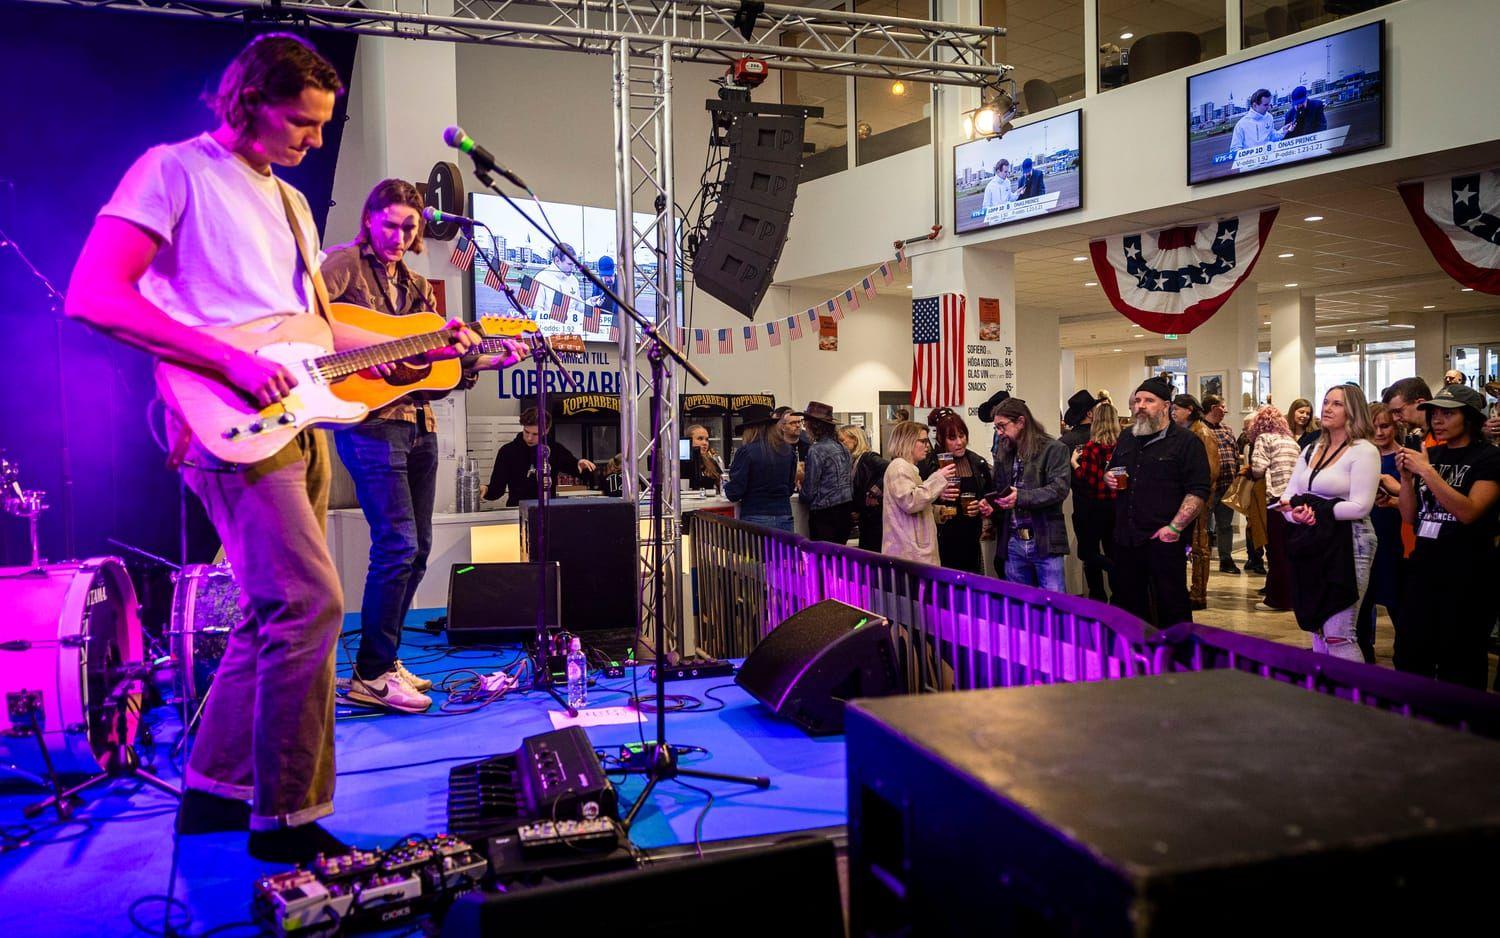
[
  {"x": 1273, "y": 459},
  {"x": 910, "y": 531},
  {"x": 1345, "y": 465}
]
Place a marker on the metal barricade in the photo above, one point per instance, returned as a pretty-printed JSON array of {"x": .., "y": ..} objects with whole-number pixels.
[
  {"x": 1190, "y": 647},
  {"x": 749, "y": 580}
]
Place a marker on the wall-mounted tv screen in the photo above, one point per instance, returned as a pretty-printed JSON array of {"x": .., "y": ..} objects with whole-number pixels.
[
  {"x": 561, "y": 300},
  {"x": 1314, "y": 100},
  {"x": 1033, "y": 170}
]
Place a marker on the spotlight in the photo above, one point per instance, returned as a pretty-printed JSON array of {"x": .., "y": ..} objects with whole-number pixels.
[
  {"x": 898, "y": 88},
  {"x": 992, "y": 118}
]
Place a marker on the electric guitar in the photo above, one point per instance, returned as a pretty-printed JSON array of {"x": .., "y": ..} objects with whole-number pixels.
[{"x": 332, "y": 387}]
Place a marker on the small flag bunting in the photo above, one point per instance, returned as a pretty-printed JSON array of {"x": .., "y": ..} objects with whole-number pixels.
[
  {"x": 885, "y": 273},
  {"x": 752, "y": 344},
  {"x": 773, "y": 333},
  {"x": 726, "y": 342},
  {"x": 559, "y": 306},
  {"x": 614, "y": 330},
  {"x": 869, "y": 286},
  {"x": 851, "y": 300},
  {"x": 527, "y": 295},
  {"x": 591, "y": 319},
  {"x": 700, "y": 341},
  {"x": 835, "y": 312},
  {"x": 794, "y": 326},
  {"x": 463, "y": 253}
]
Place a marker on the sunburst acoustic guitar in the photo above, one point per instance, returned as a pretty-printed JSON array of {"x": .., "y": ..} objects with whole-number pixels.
[{"x": 333, "y": 387}]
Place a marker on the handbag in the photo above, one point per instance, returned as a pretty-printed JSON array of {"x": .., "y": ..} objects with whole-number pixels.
[{"x": 1240, "y": 495}]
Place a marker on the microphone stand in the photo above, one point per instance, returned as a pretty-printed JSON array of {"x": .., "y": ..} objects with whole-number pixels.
[
  {"x": 541, "y": 662},
  {"x": 662, "y": 764}
]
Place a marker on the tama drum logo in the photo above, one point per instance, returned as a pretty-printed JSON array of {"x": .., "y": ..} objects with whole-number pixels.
[{"x": 98, "y": 594}]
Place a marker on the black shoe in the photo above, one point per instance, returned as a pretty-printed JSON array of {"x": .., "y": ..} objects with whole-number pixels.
[
  {"x": 1231, "y": 569},
  {"x": 203, "y": 813},
  {"x": 1199, "y": 604},
  {"x": 1262, "y": 591},
  {"x": 1259, "y": 569},
  {"x": 300, "y": 844}
]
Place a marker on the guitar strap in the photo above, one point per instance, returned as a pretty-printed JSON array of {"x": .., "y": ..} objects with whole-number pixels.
[{"x": 321, "y": 304}]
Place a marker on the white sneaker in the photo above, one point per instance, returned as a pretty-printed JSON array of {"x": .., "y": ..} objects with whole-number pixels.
[
  {"x": 388, "y": 692},
  {"x": 420, "y": 684},
  {"x": 1262, "y": 607}
]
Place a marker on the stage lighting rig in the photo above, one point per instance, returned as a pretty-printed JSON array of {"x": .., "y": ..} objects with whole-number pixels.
[{"x": 993, "y": 116}]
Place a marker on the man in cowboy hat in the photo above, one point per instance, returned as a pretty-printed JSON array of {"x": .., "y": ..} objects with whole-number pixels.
[
  {"x": 1078, "y": 420},
  {"x": 825, "y": 482}
]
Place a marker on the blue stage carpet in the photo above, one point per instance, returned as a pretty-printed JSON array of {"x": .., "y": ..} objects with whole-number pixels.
[{"x": 82, "y": 878}]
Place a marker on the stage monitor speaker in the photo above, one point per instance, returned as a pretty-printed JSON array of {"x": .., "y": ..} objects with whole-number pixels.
[
  {"x": 593, "y": 540},
  {"x": 489, "y": 603},
  {"x": 814, "y": 662},
  {"x": 1186, "y": 804},
  {"x": 738, "y": 257},
  {"x": 721, "y": 894}
]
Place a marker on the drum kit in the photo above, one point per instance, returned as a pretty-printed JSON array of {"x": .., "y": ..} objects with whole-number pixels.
[{"x": 75, "y": 664}]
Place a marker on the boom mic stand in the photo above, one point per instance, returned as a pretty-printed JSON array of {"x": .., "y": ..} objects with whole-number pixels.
[
  {"x": 541, "y": 669},
  {"x": 662, "y": 764}
]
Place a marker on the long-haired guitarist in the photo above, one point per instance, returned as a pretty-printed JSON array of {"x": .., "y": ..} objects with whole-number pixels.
[
  {"x": 199, "y": 234},
  {"x": 393, "y": 454}
]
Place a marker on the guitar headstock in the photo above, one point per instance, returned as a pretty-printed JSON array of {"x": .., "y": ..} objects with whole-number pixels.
[{"x": 526, "y": 330}]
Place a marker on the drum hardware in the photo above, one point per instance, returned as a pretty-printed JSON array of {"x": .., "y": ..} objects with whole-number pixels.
[
  {"x": 24, "y": 503},
  {"x": 24, "y": 708}
]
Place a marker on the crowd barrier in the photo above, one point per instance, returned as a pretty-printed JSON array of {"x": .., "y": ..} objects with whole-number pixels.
[{"x": 957, "y": 631}]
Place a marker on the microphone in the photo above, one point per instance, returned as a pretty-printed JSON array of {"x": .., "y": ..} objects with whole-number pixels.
[
  {"x": 456, "y": 138},
  {"x": 438, "y": 217}
]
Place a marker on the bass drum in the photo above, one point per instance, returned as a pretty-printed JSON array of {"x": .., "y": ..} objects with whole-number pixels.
[
  {"x": 205, "y": 607},
  {"x": 83, "y": 623}
]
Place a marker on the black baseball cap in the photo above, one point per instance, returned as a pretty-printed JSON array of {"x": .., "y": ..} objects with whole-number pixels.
[{"x": 1454, "y": 396}]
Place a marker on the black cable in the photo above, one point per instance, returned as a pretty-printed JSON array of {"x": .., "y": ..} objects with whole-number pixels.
[
  {"x": 698, "y": 825},
  {"x": 715, "y": 698}
]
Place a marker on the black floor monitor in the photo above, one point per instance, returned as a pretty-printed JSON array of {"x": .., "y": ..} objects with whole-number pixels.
[{"x": 496, "y": 602}]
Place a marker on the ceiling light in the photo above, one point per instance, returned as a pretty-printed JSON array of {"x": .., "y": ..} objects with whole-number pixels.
[
  {"x": 1313, "y": 218},
  {"x": 1466, "y": 290},
  {"x": 1351, "y": 329},
  {"x": 898, "y": 88},
  {"x": 1266, "y": 323},
  {"x": 908, "y": 286},
  {"x": 1091, "y": 283},
  {"x": 1286, "y": 255},
  {"x": 1080, "y": 257},
  {"x": 1289, "y": 285},
  {"x": 1139, "y": 335},
  {"x": 1127, "y": 35},
  {"x": 1429, "y": 306},
  {"x": 1117, "y": 350}
]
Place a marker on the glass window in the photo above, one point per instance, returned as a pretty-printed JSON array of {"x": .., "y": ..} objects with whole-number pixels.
[
  {"x": 1044, "y": 44},
  {"x": 1142, "y": 38},
  {"x": 828, "y": 136},
  {"x": 890, "y": 116},
  {"x": 1331, "y": 369},
  {"x": 1386, "y": 363},
  {"x": 1264, "y": 20}
]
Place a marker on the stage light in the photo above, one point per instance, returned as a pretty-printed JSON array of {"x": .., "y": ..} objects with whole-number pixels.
[
  {"x": 992, "y": 118},
  {"x": 898, "y": 88}
]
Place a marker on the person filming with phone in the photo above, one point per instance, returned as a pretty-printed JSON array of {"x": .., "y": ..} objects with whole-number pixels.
[{"x": 1033, "y": 476}]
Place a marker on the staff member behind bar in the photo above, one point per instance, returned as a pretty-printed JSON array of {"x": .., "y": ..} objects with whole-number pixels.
[
  {"x": 515, "y": 464},
  {"x": 1161, "y": 474}
]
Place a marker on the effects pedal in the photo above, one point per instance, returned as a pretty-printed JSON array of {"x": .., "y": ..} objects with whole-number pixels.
[
  {"x": 689, "y": 669},
  {"x": 549, "y": 837}
]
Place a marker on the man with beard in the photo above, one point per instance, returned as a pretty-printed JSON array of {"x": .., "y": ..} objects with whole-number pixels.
[{"x": 1162, "y": 476}]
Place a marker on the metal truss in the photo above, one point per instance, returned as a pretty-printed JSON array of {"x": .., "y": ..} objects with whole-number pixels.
[
  {"x": 791, "y": 38},
  {"x": 645, "y": 38}
]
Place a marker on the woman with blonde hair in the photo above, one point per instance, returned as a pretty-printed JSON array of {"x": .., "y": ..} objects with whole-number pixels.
[
  {"x": 1093, "y": 501},
  {"x": 1273, "y": 457},
  {"x": 1332, "y": 543},
  {"x": 909, "y": 528},
  {"x": 867, "y": 486}
]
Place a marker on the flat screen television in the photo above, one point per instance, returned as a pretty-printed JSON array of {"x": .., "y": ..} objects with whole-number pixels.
[
  {"x": 563, "y": 302},
  {"x": 1311, "y": 101},
  {"x": 1033, "y": 170}
]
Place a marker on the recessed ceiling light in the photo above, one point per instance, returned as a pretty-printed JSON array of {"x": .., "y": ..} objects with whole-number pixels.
[
  {"x": 908, "y": 286},
  {"x": 1139, "y": 335},
  {"x": 1091, "y": 283},
  {"x": 1287, "y": 254},
  {"x": 1313, "y": 218},
  {"x": 1080, "y": 257},
  {"x": 1266, "y": 323},
  {"x": 1293, "y": 284},
  {"x": 1429, "y": 306},
  {"x": 1127, "y": 35},
  {"x": 1351, "y": 330},
  {"x": 1117, "y": 350},
  {"x": 1466, "y": 290}
]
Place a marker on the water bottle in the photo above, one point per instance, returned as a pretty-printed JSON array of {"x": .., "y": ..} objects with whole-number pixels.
[
  {"x": 578, "y": 675},
  {"x": 461, "y": 491}
]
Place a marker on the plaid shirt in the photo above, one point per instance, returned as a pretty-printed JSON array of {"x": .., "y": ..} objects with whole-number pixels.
[
  {"x": 1093, "y": 459},
  {"x": 1229, "y": 457}
]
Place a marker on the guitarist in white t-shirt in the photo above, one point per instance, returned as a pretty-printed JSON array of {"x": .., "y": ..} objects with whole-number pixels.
[{"x": 199, "y": 234}]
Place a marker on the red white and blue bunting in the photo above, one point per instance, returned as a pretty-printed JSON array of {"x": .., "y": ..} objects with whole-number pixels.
[
  {"x": 1174, "y": 279},
  {"x": 1459, "y": 218}
]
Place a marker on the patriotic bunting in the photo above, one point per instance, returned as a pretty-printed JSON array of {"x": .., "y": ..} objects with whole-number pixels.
[
  {"x": 902, "y": 260},
  {"x": 1174, "y": 279},
  {"x": 869, "y": 286},
  {"x": 937, "y": 363},
  {"x": 463, "y": 253},
  {"x": 850, "y": 300},
  {"x": 700, "y": 341},
  {"x": 835, "y": 312},
  {"x": 885, "y": 273},
  {"x": 773, "y": 333},
  {"x": 1459, "y": 218},
  {"x": 794, "y": 326},
  {"x": 559, "y": 310},
  {"x": 591, "y": 319},
  {"x": 493, "y": 280},
  {"x": 726, "y": 342},
  {"x": 614, "y": 329},
  {"x": 527, "y": 294},
  {"x": 752, "y": 344}
]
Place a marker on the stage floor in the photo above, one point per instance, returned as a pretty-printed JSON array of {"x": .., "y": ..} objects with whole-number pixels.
[{"x": 82, "y": 878}]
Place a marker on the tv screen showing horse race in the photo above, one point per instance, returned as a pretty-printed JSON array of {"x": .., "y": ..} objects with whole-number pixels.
[
  {"x": 1318, "y": 99},
  {"x": 1029, "y": 172}
]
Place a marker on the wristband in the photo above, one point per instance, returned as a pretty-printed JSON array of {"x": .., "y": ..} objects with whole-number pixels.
[{"x": 1174, "y": 527}]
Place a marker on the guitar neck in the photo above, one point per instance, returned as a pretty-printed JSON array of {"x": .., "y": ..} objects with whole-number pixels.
[{"x": 343, "y": 364}]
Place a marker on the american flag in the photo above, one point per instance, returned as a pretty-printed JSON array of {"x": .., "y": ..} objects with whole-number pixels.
[
  {"x": 885, "y": 272},
  {"x": 559, "y": 306},
  {"x": 902, "y": 260},
  {"x": 700, "y": 341},
  {"x": 869, "y": 286},
  {"x": 527, "y": 294},
  {"x": 591, "y": 319},
  {"x": 726, "y": 342},
  {"x": 752, "y": 344},
  {"x": 937, "y": 362},
  {"x": 851, "y": 300},
  {"x": 614, "y": 329},
  {"x": 812, "y": 317},
  {"x": 835, "y": 312},
  {"x": 463, "y": 254},
  {"x": 774, "y": 333},
  {"x": 794, "y": 326},
  {"x": 494, "y": 278}
]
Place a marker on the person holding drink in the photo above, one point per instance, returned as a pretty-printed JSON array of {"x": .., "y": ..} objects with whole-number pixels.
[
  {"x": 959, "y": 524},
  {"x": 1033, "y": 475},
  {"x": 909, "y": 529}
]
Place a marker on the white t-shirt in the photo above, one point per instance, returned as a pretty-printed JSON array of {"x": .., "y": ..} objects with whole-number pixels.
[
  {"x": 998, "y": 192},
  {"x": 555, "y": 281},
  {"x": 227, "y": 254},
  {"x": 1353, "y": 478}
]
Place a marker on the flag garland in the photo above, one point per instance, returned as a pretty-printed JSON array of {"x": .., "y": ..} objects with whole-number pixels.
[
  {"x": 1459, "y": 219},
  {"x": 463, "y": 253},
  {"x": 1174, "y": 279}
]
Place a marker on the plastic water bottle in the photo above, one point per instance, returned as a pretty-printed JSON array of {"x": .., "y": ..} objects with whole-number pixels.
[{"x": 578, "y": 675}]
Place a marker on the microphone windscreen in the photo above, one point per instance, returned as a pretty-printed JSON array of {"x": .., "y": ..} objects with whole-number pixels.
[{"x": 454, "y": 136}]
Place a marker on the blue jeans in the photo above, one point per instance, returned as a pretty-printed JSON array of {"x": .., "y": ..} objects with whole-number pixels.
[
  {"x": 1025, "y": 563},
  {"x": 394, "y": 465},
  {"x": 782, "y": 523}
]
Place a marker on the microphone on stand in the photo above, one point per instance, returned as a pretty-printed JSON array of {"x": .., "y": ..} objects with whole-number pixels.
[
  {"x": 438, "y": 217},
  {"x": 456, "y": 138}
]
